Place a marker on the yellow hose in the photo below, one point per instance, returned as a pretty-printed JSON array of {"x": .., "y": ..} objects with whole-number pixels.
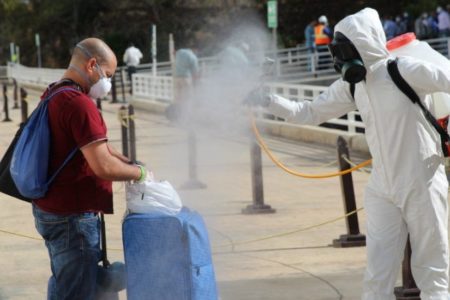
[
  {"x": 263, "y": 146},
  {"x": 237, "y": 243}
]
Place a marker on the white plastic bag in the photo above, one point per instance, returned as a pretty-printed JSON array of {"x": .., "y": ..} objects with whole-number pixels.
[{"x": 153, "y": 196}]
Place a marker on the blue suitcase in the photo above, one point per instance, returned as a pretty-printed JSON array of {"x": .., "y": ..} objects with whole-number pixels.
[{"x": 168, "y": 257}]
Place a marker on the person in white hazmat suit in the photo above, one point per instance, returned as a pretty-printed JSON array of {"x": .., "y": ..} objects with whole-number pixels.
[{"x": 407, "y": 190}]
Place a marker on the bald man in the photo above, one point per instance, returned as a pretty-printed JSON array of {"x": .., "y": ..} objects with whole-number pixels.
[{"x": 67, "y": 217}]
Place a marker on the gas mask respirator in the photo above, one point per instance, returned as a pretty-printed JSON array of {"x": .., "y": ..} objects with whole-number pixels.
[{"x": 346, "y": 59}]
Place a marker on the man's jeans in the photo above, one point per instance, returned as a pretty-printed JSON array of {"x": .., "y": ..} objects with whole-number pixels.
[{"x": 73, "y": 244}]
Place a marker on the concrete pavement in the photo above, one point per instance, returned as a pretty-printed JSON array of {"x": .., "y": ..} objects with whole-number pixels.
[{"x": 296, "y": 266}]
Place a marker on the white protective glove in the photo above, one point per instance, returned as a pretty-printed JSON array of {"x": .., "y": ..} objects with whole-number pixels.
[{"x": 258, "y": 97}]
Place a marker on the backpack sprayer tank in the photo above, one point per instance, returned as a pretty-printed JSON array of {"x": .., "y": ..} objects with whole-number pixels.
[{"x": 407, "y": 45}]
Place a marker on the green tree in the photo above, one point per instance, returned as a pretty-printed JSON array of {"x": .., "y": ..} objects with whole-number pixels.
[{"x": 205, "y": 23}]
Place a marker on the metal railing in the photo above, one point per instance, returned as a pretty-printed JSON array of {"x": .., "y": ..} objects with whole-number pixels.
[
  {"x": 441, "y": 45},
  {"x": 159, "y": 88},
  {"x": 291, "y": 64},
  {"x": 162, "y": 68},
  {"x": 38, "y": 76},
  {"x": 4, "y": 72}
]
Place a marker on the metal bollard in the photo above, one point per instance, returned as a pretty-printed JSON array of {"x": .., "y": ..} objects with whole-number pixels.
[
  {"x": 23, "y": 105},
  {"x": 123, "y": 118},
  {"x": 113, "y": 89},
  {"x": 409, "y": 290},
  {"x": 99, "y": 104},
  {"x": 105, "y": 260},
  {"x": 353, "y": 238},
  {"x": 15, "y": 96},
  {"x": 122, "y": 83},
  {"x": 5, "y": 104},
  {"x": 258, "y": 206},
  {"x": 132, "y": 132},
  {"x": 192, "y": 182},
  {"x": 106, "y": 270}
]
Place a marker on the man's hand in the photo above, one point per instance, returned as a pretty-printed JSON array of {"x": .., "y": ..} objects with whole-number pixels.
[
  {"x": 258, "y": 97},
  {"x": 146, "y": 174}
]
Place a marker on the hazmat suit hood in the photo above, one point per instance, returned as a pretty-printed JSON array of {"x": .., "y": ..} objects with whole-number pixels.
[{"x": 365, "y": 31}]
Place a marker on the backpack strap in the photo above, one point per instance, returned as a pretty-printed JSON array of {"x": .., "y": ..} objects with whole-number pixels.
[
  {"x": 403, "y": 86},
  {"x": 65, "y": 162},
  {"x": 352, "y": 90},
  {"x": 52, "y": 93},
  {"x": 74, "y": 151}
]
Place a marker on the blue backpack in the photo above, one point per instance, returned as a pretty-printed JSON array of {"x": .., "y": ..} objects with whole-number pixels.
[{"x": 30, "y": 159}]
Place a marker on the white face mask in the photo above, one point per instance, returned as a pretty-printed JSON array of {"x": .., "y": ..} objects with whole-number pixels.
[{"x": 101, "y": 88}]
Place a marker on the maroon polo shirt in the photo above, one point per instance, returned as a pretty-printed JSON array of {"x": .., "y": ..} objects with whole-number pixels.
[{"x": 74, "y": 122}]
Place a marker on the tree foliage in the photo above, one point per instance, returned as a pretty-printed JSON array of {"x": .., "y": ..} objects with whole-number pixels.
[{"x": 62, "y": 23}]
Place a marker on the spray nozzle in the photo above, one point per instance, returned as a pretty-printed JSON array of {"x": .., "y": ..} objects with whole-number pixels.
[
  {"x": 267, "y": 67},
  {"x": 268, "y": 60}
]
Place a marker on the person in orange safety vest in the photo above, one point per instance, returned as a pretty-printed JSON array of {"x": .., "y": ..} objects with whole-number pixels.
[
  {"x": 322, "y": 32},
  {"x": 323, "y": 36}
]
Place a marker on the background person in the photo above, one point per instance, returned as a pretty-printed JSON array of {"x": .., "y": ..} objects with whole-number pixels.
[
  {"x": 433, "y": 24},
  {"x": 401, "y": 25},
  {"x": 322, "y": 37},
  {"x": 187, "y": 72},
  {"x": 421, "y": 27},
  {"x": 235, "y": 55},
  {"x": 443, "y": 22},
  {"x": 390, "y": 28},
  {"x": 67, "y": 217},
  {"x": 310, "y": 42},
  {"x": 234, "y": 63},
  {"x": 132, "y": 57}
]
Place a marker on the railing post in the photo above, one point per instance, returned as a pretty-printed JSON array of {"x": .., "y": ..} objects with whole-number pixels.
[
  {"x": 114, "y": 89},
  {"x": 192, "y": 182},
  {"x": 131, "y": 83},
  {"x": 132, "y": 132},
  {"x": 5, "y": 104},
  {"x": 409, "y": 290},
  {"x": 313, "y": 61},
  {"x": 351, "y": 122},
  {"x": 99, "y": 104},
  {"x": 123, "y": 118},
  {"x": 122, "y": 83},
  {"x": 258, "y": 206},
  {"x": 448, "y": 47},
  {"x": 8, "y": 70},
  {"x": 353, "y": 238},
  {"x": 15, "y": 94},
  {"x": 277, "y": 66},
  {"x": 24, "y": 105}
]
